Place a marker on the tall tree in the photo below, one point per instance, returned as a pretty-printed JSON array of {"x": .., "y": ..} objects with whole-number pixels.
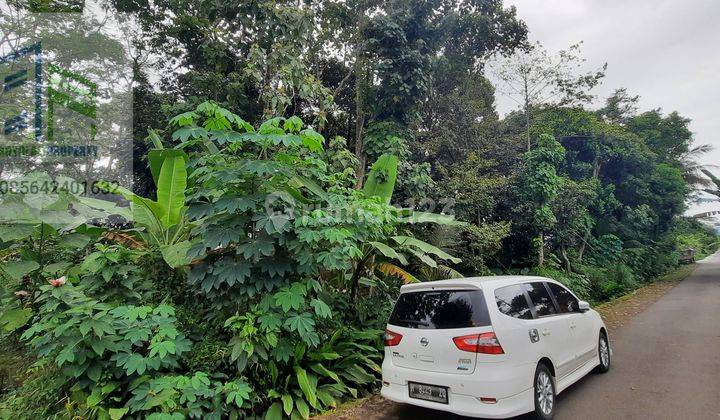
[
  {"x": 668, "y": 136},
  {"x": 619, "y": 107},
  {"x": 533, "y": 77},
  {"x": 540, "y": 184},
  {"x": 391, "y": 48}
]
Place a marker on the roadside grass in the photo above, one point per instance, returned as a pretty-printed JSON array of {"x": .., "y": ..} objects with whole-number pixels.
[
  {"x": 618, "y": 311},
  {"x": 34, "y": 391},
  {"x": 343, "y": 408},
  {"x": 13, "y": 365},
  {"x": 673, "y": 277}
]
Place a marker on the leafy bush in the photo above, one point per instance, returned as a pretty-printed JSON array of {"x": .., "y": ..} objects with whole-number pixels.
[
  {"x": 318, "y": 378},
  {"x": 196, "y": 396},
  {"x": 620, "y": 280},
  {"x": 95, "y": 342},
  {"x": 114, "y": 273}
]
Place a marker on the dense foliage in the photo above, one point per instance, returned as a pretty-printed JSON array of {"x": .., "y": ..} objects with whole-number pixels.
[{"x": 283, "y": 194}]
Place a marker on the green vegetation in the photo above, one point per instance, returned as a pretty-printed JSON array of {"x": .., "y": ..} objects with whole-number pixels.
[{"x": 284, "y": 194}]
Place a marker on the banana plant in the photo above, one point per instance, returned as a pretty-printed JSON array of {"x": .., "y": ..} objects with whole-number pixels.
[
  {"x": 382, "y": 256},
  {"x": 381, "y": 183},
  {"x": 165, "y": 224}
]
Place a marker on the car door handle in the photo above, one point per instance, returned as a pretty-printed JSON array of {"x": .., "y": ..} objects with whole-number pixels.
[
  {"x": 573, "y": 326},
  {"x": 545, "y": 332}
]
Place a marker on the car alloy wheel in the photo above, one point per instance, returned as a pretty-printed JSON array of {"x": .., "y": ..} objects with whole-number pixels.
[
  {"x": 604, "y": 352},
  {"x": 545, "y": 393}
]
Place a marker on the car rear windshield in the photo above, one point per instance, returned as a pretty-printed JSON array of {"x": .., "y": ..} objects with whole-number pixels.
[{"x": 442, "y": 309}]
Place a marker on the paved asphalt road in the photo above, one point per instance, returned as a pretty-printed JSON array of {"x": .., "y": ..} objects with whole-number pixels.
[{"x": 666, "y": 361}]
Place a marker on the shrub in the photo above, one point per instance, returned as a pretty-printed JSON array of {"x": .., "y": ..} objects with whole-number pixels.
[
  {"x": 96, "y": 342},
  {"x": 620, "y": 280}
]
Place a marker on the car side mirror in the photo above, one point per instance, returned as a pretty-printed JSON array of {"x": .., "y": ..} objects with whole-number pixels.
[{"x": 583, "y": 306}]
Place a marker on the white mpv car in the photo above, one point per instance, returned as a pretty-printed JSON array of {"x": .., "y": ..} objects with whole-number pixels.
[{"x": 491, "y": 347}]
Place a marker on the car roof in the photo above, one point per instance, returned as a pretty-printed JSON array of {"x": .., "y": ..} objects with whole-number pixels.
[{"x": 490, "y": 282}]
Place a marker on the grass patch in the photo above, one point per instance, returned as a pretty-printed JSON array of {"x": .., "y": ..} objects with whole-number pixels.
[
  {"x": 343, "y": 407},
  {"x": 13, "y": 365},
  {"x": 673, "y": 276}
]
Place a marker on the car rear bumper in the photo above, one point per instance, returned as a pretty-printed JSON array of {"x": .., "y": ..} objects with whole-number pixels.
[
  {"x": 466, "y": 405},
  {"x": 510, "y": 386}
]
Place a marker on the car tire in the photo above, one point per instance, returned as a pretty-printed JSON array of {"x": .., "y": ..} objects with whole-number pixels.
[
  {"x": 604, "y": 353},
  {"x": 544, "y": 394}
]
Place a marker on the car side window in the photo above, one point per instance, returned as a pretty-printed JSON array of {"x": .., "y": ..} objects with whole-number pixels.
[
  {"x": 565, "y": 300},
  {"x": 540, "y": 298},
  {"x": 511, "y": 301}
]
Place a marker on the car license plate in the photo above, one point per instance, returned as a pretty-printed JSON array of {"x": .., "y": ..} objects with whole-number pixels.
[{"x": 428, "y": 392}]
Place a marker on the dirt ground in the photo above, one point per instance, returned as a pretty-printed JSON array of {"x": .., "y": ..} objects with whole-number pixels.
[{"x": 615, "y": 314}]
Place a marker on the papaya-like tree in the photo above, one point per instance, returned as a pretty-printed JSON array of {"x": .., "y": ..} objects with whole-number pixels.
[{"x": 540, "y": 185}]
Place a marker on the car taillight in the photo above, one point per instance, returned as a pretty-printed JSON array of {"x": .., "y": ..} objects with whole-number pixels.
[
  {"x": 486, "y": 343},
  {"x": 391, "y": 338}
]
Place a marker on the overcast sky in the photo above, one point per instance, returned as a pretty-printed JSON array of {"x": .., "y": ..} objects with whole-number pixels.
[{"x": 666, "y": 51}]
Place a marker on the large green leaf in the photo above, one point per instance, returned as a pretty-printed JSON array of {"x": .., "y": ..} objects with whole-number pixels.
[
  {"x": 306, "y": 386},
  {"x": 425, "y": 258},
  {"x": 382, "y": 178},
  {"x": 145, "y": 212},
  {"x": 387, "y": 251},
  {"x": 411, "y": 216},
  {"x": 171, "y": 190},
  {"x": 16, "y": 232},
  {"x": 117, "y": 413},
  {"x": 15, "y": 318},
  {"x": 287, "y": 403},
  {"x": 322, "y": 370},
  {"x": 18, "y": 269},
  {"x": 274, "y": 412},
  {"x": 157, "y": 157},
  {"x": 106, "y": 206},
  {"x": 425, "y": 247},
  {"x": 176, "y": 255},
  {"x": 312, "y": 186}
]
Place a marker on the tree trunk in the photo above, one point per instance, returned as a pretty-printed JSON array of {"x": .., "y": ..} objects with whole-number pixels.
[
  {"x": 359, "y": 140},
  {"x": 360, "y": 84},
  {"x": 355, "y": 282},
  {"x": 527, "y": 114},
  {"x": 586, "y": 238},
  {"x": 541, "y": 249},
  {"x": 588, "y": 232},
  {"x": 563, "y": 252}
]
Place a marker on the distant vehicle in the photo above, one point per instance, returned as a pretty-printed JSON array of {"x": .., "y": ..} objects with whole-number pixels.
[
  {"x": 687, "y": 256},
  {"x": 492, "y": 347}
]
